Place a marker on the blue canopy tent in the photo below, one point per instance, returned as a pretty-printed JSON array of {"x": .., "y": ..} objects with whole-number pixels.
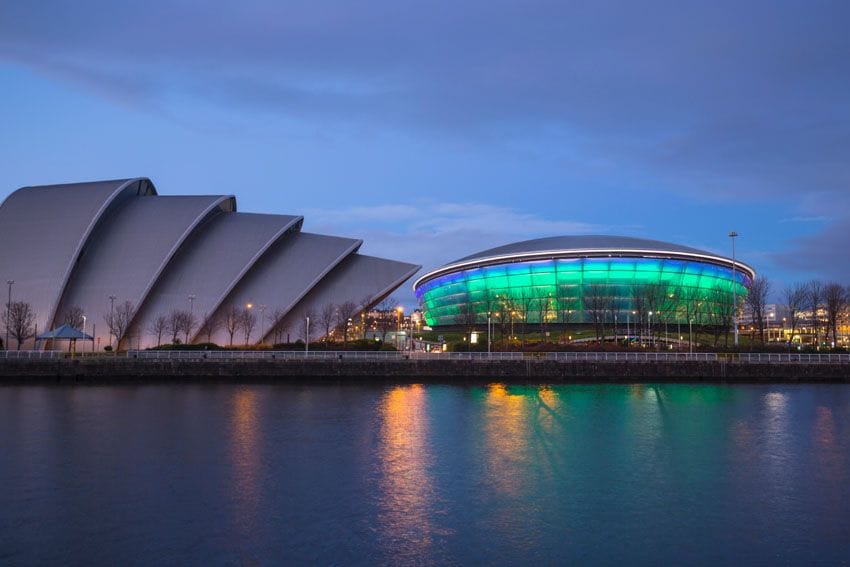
[{"x": 65, "y": 333}]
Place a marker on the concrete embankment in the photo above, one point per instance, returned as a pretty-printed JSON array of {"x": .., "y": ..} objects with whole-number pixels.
[{"x": 433, "y": 370}]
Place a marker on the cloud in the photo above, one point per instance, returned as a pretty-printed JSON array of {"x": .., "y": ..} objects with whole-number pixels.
[
  {"x": 719, "y": 99},
  {"x": 447, "y": 219}
]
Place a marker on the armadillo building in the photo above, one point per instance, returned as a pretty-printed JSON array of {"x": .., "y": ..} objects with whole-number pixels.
[
  {"x": 94, "y": 246},
  {"x": 574, "y": 279}
]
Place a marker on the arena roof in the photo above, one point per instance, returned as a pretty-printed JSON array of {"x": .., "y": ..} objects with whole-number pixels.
[{"x": 581, "y": 246}]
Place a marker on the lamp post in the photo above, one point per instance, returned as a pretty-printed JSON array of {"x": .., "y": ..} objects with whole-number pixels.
[
  {"x": 628, "y": 327},
  {"x": 691, "y": 333},
  {"x": 84, "y": 324},
  {"x": 649, "y": 329},
  {"x": 262, "y": 323},
  {"x": 111, "y": 318},
  {"x": 400, "y": 312},
  {"x": 732, "y": 236},
  {"x": 10, "y": 283},
  {"x": 307, "y": 338},
  {"x": 489, "y": 326},
  {"x": 615, "y": 328}
]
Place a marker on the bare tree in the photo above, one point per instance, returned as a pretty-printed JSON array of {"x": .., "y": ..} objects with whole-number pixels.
[
  {"x": 757, "y": 299},
  {"x": 722, "y": 313},
  {"x": 19, "y": 320},
  {"x": 565, "y": 304},
  {"x": 543, "y": 305},
  {"x": 504, "y": 308},
  {"x": 595, "y": 305},
  {"x": 118, "y": 320},
  {"x": 157, "y": 327},
  {"x": 247, "y": 322},
  {"x": 327, "y": 317},
  {"x": 612, "y": 307},
  {"x": 345, "y": 312},
  {"x": 189, "y": 323},
  {"x": 466, "y": 317},
  {"x": 814, "y": 300},
  {"x": 179, "y": 322},
  {"x": 209, "y": 325},
  {"x": 795, "y": 300},
  {"x": 279, "y": 326},
  {"x": 655, "y": 299},
  {"x": 232, "y": 322},
  {"x": 638, "y": 298},
  {"x": 835, "y": 300},
  {"x": 73, "y": 316},
  {"x": 523, "y": 307}
]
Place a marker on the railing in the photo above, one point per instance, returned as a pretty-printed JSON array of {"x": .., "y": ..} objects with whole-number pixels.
[
  {"x": 781, "y": 358},
  {"x": 482, "y": 357}
]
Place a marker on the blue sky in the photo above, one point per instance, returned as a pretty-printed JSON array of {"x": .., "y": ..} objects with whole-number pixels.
[{"x": 435, "y": 129}]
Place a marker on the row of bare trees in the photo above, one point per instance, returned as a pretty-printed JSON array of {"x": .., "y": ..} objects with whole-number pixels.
[
  {"x": 817, "y": 305},
  {"x": 181, "y": 325}
]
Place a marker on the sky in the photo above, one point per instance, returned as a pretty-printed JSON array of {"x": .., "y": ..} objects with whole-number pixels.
[{"x": 433, "y": 130}]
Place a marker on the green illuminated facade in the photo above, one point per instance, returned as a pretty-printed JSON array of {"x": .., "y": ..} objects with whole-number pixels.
[{"x": 584, "y": 285}]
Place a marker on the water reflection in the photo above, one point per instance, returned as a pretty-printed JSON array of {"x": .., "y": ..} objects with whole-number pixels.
[
  {"x": 245, "y": 459},
  {"x": 506, "y": 433},
  {"x": 406, "y": 486},
  {"x": 830, "y": 454}
]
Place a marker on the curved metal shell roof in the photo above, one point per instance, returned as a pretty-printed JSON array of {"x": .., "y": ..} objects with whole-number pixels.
[
  {"x": 580, "y": 246},
  {"x": 43, "y": 230},
  {"x": 212, "y": 262}
]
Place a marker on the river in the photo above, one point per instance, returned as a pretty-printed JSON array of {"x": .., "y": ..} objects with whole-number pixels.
[{"x": 425, "y": 474}]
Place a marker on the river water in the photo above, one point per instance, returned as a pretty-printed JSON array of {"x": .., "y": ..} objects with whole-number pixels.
[{"x": 436, "y": 474}]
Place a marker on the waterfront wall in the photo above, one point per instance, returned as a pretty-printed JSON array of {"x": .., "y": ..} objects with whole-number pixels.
[{"x": 424, "y": 370}]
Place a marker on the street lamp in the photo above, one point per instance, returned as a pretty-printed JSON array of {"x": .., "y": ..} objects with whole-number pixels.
[
  {"x": 307, "y": 338},
  {"x": 732, "y": 236},
  {"x": 649, "y": 329},
  {"x": 10, "y": 283},
  {"x": 489, "y": 325},
  {"x": 262, "y": 322}
]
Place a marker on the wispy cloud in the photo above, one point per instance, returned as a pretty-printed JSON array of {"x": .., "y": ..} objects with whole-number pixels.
[
  {"x": 448, "y": 218},
  {"x": 807, "y": 219}
]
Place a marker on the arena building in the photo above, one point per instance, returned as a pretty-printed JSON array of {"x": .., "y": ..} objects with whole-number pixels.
[
  {"x": 101, "y": 248},
  {"x": 585, "y": 279}
]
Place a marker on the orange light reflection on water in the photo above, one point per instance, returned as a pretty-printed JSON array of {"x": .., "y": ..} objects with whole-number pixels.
[
  {"x": 245, "y": 457},
  {"x": 406, "y": 485},
  {"x": 506, "y": 430}
]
